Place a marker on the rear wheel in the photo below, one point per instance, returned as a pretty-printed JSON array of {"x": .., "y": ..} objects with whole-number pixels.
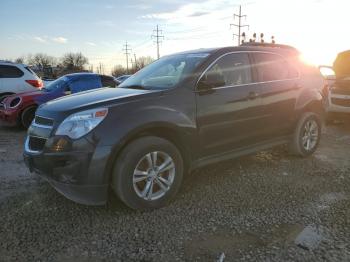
[
  {"x": 307, "y": 135},
  {"x": 148, "y": 173},
  {"x": 28, "y": 116}
]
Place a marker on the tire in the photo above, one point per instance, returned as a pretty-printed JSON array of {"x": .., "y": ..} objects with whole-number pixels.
[
  {"x": 307, "y": 135},
  {"x": 131, "y": 185},
  {"x": 27, "y": 116}
]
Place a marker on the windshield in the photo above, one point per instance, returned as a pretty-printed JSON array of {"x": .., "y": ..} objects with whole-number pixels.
[
  {"x": 165, "y": 73},
  {"x": 58, "y": 83}
]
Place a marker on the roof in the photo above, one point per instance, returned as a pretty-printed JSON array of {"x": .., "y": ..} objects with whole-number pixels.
[
  {"x": 5, "y": 62},
  {"x": 244, "y": 47},
  {"x": 76, "y": 75}
]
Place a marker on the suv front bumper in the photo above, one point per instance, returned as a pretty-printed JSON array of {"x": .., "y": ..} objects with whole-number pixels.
[{"x": 77, "y": 174}]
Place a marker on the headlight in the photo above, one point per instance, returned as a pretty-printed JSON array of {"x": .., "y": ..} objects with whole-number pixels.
[
  {"x": 79, "y": 124},
  {"x": 15, "y": 102}
]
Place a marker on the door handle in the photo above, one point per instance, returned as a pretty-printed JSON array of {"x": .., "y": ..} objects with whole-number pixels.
[{"x": 252, "y": 95}]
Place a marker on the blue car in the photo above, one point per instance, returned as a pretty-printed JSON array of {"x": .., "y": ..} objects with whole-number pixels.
[{"x": 19, "y": 109}]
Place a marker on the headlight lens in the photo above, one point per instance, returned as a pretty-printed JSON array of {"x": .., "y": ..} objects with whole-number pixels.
[
  {"x": 15, "y": 102},
  {"x": 79, "y": 124}
]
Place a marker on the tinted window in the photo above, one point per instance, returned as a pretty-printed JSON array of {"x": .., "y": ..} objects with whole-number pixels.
[
  {"x": 108, "y": 81},
  {"x": 231, "y": 70},
  {"x": 272, "y": 67},
  {"x": 84, "y": 83},
  {"x": 10, "y": 72}
]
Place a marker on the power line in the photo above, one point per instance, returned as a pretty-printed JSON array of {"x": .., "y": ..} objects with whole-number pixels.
[
  {"x": 144, "y": 43},
  {"x": 240, "y": 26},
  {"x": 157, "y": 34},
  {"x": 126, "y": 49}
]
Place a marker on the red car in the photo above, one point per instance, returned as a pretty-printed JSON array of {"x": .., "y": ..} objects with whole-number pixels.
[{"x": 19, "y": 109}]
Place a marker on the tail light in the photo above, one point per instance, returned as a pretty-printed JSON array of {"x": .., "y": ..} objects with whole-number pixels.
[{"x": 35, "y": 83}]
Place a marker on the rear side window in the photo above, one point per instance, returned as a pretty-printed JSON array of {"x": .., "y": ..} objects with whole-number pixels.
[
  {"x": 108, "y": 81},
  {"x": 84, "y": 83},
  {"x": 271, "y": 67},
  {"x": 7, "y": 71},
  {"x": 30, "y": 70},
  {"x": 232, "y": 70}
]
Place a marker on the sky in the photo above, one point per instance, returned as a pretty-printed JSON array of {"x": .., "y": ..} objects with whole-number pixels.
[{"x": 100, "y": 28}]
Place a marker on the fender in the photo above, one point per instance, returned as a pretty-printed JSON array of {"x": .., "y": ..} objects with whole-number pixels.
[
  {"x": 162, "y": 121},
  {"x": 310, "y": 97}
]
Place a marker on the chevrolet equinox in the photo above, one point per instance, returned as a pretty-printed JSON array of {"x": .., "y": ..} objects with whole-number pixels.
[{"x": 179, "y": 113}]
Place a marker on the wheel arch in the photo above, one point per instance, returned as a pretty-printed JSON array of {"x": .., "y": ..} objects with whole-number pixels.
[
  {"x": 311, "y": 101},
  {"x": 164, "y": 130},
  {"x": 24, "y": 109}
]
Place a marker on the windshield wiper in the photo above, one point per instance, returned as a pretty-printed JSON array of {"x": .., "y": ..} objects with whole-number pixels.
[{"x": 136, "y": 87}]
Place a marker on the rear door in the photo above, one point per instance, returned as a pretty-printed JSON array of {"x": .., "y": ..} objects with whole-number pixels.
[
  {"x": 229, "y": 114},
  {"x": 279, "y": 82}
]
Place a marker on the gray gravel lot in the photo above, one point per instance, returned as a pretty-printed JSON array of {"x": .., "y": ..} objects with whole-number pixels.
[{"x": 264, "y": 207}]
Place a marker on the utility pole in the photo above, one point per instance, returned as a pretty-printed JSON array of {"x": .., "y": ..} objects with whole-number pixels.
[
  {"x": 127, "y": 50},
  {"x": 240, "y": 26},
  {"x": 135, "y": 61},
  {"x": 157, "y": 34}
]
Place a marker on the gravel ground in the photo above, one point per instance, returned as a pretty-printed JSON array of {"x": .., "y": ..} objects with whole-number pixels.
[{"x": 264, "y": 207}]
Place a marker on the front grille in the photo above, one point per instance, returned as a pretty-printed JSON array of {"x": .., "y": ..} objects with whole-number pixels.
[
  {"x": 36, "y": 143},
  {"x": 43, "y": 121},
  {"x": 341, "y": 102}
]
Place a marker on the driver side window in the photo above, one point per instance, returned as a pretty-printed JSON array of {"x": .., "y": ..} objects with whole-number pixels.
[{"x": 230, "y": 70}]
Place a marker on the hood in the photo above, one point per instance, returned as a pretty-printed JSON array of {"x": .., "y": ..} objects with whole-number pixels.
[
  {"x": 29, "y": 94},
  {"x": 90, "y": 99},
  {"x": 341, "y": 65},
  {"x": 25, "y": 96}
]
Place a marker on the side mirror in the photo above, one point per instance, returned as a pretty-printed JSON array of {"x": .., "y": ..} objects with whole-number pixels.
[{"x": 210, "y": 81}]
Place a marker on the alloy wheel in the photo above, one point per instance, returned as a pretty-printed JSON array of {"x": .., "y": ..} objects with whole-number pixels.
[
  {"x": 310, "y": 135},
  {"x": 153, "y": 176}
]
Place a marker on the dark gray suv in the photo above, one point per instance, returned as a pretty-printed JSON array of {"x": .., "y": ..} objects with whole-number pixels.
[{"x": 181, "y": 112}]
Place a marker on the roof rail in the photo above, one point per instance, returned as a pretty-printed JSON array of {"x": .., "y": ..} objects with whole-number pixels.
[
  {"x": 6, "y": 61},
  {"x": 271, "y": 46}
]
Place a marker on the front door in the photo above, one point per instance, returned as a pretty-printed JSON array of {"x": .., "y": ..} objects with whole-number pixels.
[{"x": 229, "y": 114}]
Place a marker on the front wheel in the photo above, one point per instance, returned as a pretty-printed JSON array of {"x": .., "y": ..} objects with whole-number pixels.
[
  {"x": 307, "y": 135},
  {"x": 148, "y": 173}
]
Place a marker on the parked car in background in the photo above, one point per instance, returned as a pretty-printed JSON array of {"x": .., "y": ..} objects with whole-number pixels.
[
  {"x": 181, "y": 112},
  {"x": 121, "y": 79},
  {"x": 338, "y": 78},
  {"x": 19, "y": 109},
  {"x": 17, "y": 78}
]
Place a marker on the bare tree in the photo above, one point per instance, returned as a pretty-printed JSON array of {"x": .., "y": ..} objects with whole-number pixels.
[
  {"x": 118, "y": 70},
  {"x": 74, "y": 62},
  {"x": 20, "y": 60},
  {"x": 41, "y": 60},
  {"x": 142, "y": 61}
]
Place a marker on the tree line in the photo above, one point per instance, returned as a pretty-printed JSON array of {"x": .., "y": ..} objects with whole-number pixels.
[
  {"x": 52, "y": 67},
  {"x": 49, "y": 66},
  {"x": 137, "y": 64}
]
